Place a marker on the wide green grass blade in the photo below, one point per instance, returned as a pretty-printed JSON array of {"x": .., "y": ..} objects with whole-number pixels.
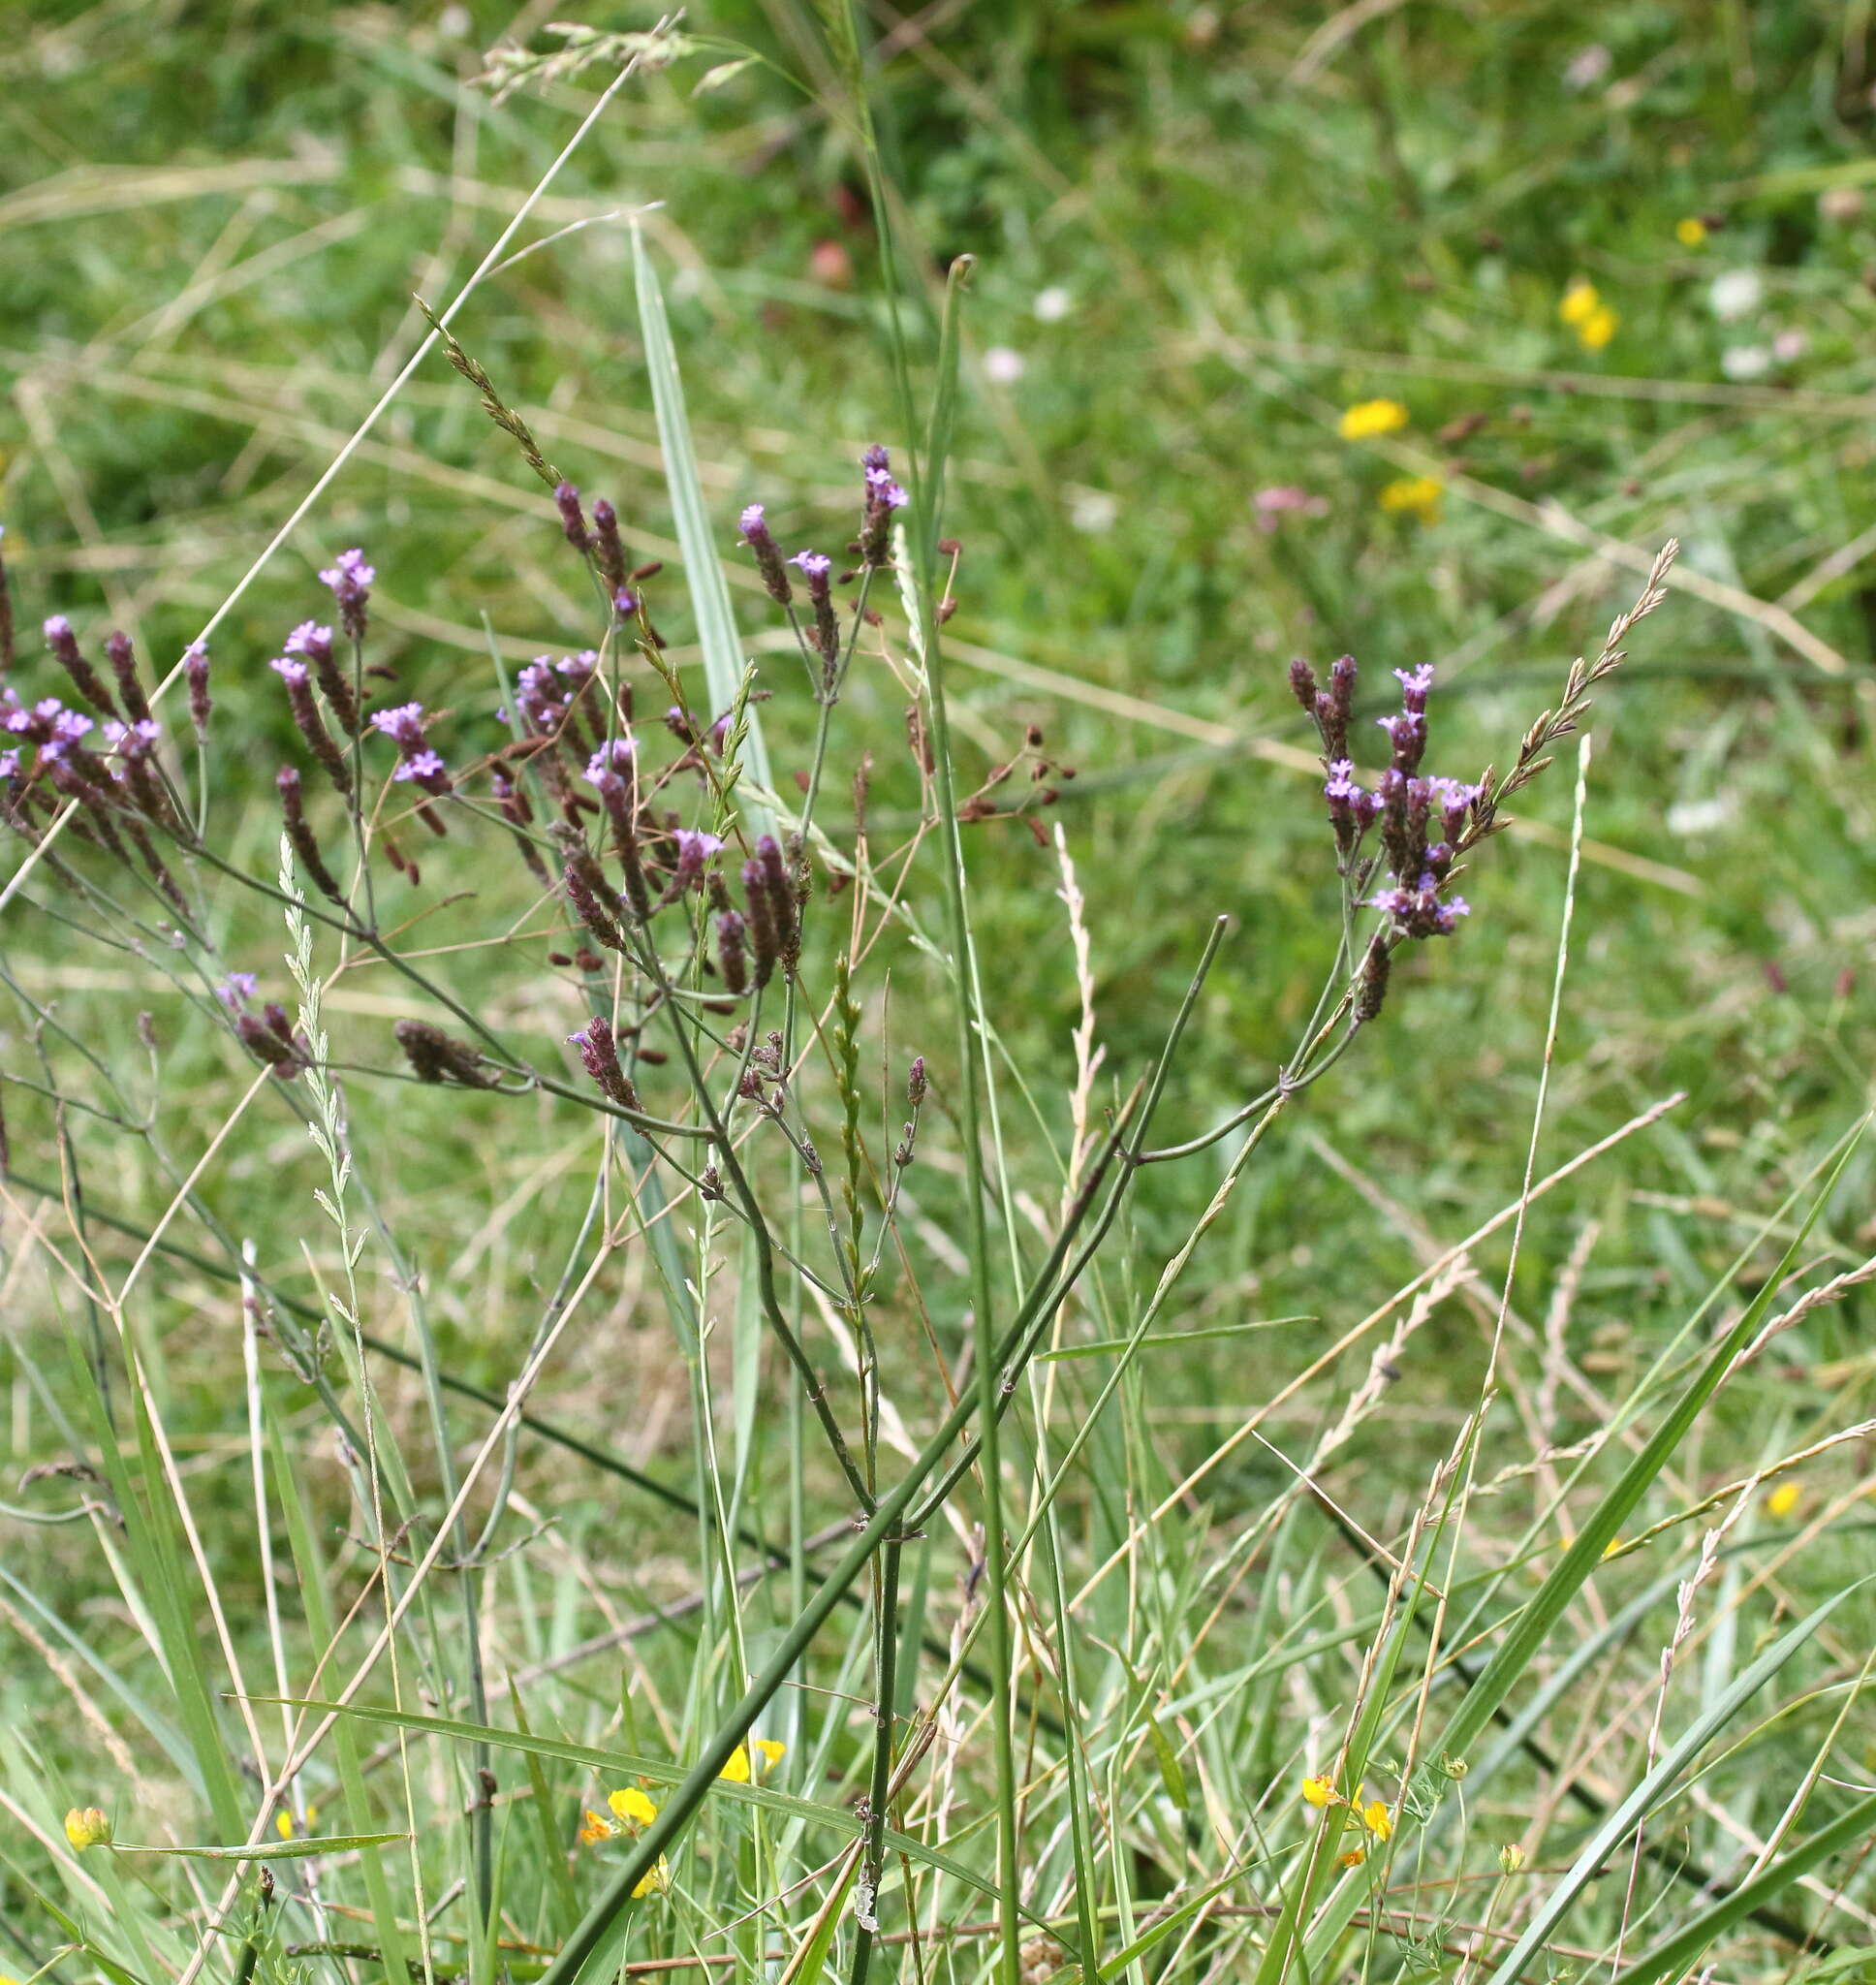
[{"x": 716, "y": 625}]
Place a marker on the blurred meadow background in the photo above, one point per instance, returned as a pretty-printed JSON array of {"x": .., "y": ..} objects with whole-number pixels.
[{"x": 1599, "y": 279}]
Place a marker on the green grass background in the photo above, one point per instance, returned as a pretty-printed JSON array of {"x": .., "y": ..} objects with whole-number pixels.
[{"x": 1238, "y": 220}]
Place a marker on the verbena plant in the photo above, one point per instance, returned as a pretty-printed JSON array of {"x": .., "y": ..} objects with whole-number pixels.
[{"x": 963, "y": 1682}]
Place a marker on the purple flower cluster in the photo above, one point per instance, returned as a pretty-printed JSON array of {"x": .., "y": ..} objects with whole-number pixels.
[
  {"x": 418, "y": 762},
  {"x": 349, "y": 579},
  {"x": 1420, "y": 819},
  {"x": 883, "y": 497}
]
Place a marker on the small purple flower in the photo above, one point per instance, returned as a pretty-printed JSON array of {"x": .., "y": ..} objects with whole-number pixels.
[
  {"x": 308, "y": 639},
  {"x": 625, "y": 604},
  {"x": 1407, "y": 734},
  {"x": 237, "y": 990},
  {"x": 882, "y": 489},
  {"x": 815, "y": 564},
  {"x": 694, "y": 849},
  {"x": 1455, "y": 802},
  {"x": 577, "y": 668},
  {"x": 9, "y": 764},
  {"x": 1414, "y": 685},
  {"x": 349, "y": 579},
  {"x": 404, "y": 724},
  {"x": 68, "y": 727},
  {"x": 610, "y": 760},
  {"x": 770, "y": 563},
  {"x": 58, "y": 628},
  {"x": 290, "y": 671},
  {"x": 425, "y": 766},
  {"x": 348, "y": 569}
]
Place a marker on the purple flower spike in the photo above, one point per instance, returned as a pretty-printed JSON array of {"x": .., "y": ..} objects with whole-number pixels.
[
  {"x": 195, "y": 664},
  {"x": 694, "y": 849},
  {"x": 349, "y": 579},
  {"x": 237, "y": 990},
  {"x": 769, "y": 563},
  {"x": 1414, "y": 685},
  {"x": 310, "y": 639},
  {"x": 403, "y": 725}
]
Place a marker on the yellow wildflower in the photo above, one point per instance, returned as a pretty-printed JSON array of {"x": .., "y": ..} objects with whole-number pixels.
[
  {"x": 1371, "y": 417},
  {"x": 1354, "y": 1858},
  {"x": 632, "y": 1806},
  {"x": 1783, "y": 1500},
  {"x": 655, "y": 1882},
  {"x": 1691, "y": 232},
  {"x": 1318, "y": 1792},
  {"x": 738, "y": 1772},
  {"x": 1510, "y": 1858},
  {"x": 1376, "y": 1817},
  {"x": 285, "y": 1826},
  {"x": 86, "y": 1828},
  {"x": 1596, "y": 328},
  {"x": 596, "y": 1828},
  {"x": 1416, "y": 496},
  {"x": 1579, "y": 304}
]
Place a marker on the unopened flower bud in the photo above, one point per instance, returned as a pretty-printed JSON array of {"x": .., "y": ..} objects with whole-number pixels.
[
  {"x": 437, "y": 1057},
  {"x": 572, "y": 520},
  {"x": 608, "y": 549},
  {"x": 914, "y": 1082}
]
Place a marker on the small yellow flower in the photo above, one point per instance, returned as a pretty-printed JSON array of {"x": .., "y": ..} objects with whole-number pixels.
[
  {"x": 1691, "y": 232},
  {"x": 1579, "y": 304},
  {"x": 1596, "y": 328},
  {"x": 86, "y": 1828},
  {"x": 1354, "y": 1858},
  {"x": 596, "y": 1828},
  {"x": 1783, "y": 1500},
  {"x": 1371, "y": 417},
  {"x": 1318, "y": 1792},
  {"x": 655, "y": 1881},
  {"x": 632, "y": 1806},
  {"x": 1415, "y": 496},
  {"x": 1376, "y": 1817},
  {"x": 1510, "y": 1858},
  {"x": 737, "y": 1771}
]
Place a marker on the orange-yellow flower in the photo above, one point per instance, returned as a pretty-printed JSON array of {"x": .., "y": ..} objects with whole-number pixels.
[
  {"x": 1596, "y": 328},
  {"x": 1367, "y": 417},
  {"x": 1319, "y": 1792},
  {"x": 1354, "y": 1858},
  {"x": 632, "y": 1806},
  {"x": 737, "y": 1771},
  {"x": 1376, "y": 1817},
  {"x": 1579, "y": 304},
  {"x": 1416, "y": 496},
  {"x": 87, "y": 1827},
  {"x": 596, "y": 1828}
]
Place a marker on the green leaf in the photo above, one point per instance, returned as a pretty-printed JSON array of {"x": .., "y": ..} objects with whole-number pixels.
[
  {"x": 300, "y": 1849},
  {"x": 716, "y": 625}
]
